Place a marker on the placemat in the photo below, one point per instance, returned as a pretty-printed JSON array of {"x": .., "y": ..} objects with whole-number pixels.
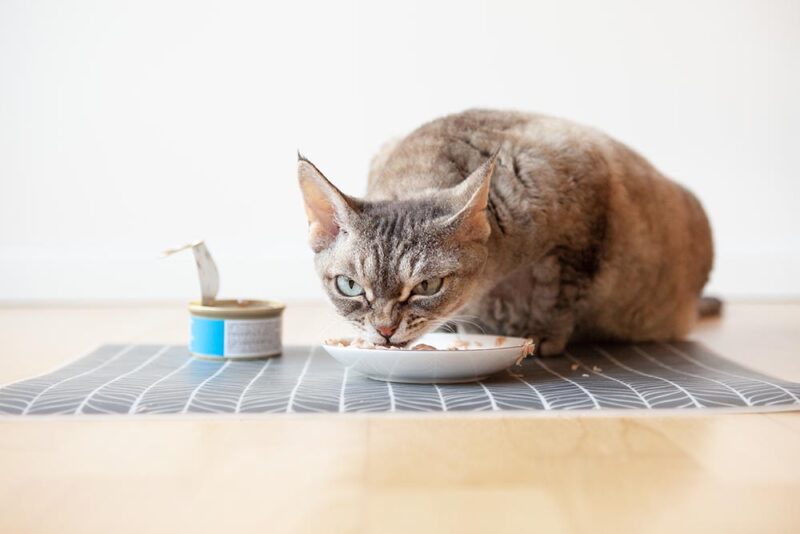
[{"x": 150, "y": 379}]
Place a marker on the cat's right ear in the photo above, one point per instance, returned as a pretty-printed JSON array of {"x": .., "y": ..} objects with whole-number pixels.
[
  {"x": 328, "y": 209},
  {"x": 471, "y": 197}
]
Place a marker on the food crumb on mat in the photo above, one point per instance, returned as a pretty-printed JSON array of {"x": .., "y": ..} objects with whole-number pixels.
[
  {"x": 596, "y": 369},
  {"x": 574, "y": 367}
]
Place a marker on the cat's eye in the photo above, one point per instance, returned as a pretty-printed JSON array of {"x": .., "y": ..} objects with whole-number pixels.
[
  {"x": 348, "y": 287},
  {"x": 428, "y": 287}
]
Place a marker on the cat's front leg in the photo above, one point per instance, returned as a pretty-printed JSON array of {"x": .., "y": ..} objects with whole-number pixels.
[
  {"x": 551, "y": 323},
  {"x": 509, "y": 317},
  {"x": 553, "y": 306},
  {"x": 533, "y": 302},
  {"x": 555, "y": 341}
]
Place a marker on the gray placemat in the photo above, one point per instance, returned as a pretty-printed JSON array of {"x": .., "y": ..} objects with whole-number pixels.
[{"x": 150, "y": 379}]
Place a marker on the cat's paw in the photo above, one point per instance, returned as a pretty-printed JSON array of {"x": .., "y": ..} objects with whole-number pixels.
[{"x": 551, "y": 346}]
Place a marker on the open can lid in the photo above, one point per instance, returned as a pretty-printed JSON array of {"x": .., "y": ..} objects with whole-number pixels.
[{"x": 237, "y": 309}]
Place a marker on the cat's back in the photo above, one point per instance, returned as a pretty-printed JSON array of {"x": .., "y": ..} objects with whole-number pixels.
[{"x": 444, "y": 151}]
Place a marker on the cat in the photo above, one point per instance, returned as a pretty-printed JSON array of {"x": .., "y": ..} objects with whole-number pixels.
[{"x": 512, "y": 224}]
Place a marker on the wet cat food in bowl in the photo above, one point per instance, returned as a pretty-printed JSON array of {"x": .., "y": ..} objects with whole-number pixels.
[{"x": 434, "y": 358}]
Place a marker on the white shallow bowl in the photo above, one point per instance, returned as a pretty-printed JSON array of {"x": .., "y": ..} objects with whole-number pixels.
[{"x": 433, "y": 366}]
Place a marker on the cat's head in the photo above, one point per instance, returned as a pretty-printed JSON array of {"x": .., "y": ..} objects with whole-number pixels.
[{"x": 397, "y": 269}]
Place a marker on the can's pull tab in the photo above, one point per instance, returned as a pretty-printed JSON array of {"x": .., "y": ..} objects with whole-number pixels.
[{"x": 206, "y": 270}]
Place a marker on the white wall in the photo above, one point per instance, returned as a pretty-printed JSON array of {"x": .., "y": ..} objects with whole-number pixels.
[{"x": 128, "y": 127}]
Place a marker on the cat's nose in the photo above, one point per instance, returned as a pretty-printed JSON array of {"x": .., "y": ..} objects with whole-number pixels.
[{"x": 387, "y": 330}]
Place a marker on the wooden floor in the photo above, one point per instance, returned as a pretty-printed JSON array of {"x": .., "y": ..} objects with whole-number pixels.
[{"x": 449, "y": 473}]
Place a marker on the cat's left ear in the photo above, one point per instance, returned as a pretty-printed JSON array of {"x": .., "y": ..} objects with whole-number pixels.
[
  {"x": 328, "y": 209},
  {"x": 471, "y": 196}
]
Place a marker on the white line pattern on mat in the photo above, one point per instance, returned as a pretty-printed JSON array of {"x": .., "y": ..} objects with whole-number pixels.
[
  {"x": 65, "y": 380},
  {"x": 250, "y": 384},
  {"x": 392, "y": 402},
  {"x": 678, "y": 371},
  {"x": 196, "y": 390},
  {"x": 491, "y": 397},
  {"x": 135, "y": 405},
  {"x": 342, "y": 405},
  {"x": 579, "y": 362},
  {"x": 586, "y": 391},
  {"x": 441, "y": 397},
  {"x": 293, "y": 394},
  {"x": 631, "y": 369},
  {"x": 542, "y": 398},
  {"x": 701, "y": 364},
  {"x": 141, "y": 366}
]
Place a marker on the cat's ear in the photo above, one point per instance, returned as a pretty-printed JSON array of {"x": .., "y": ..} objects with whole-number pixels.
[
  {"x": 328, "y": 209},
  {"x": 471, "y": 198}
]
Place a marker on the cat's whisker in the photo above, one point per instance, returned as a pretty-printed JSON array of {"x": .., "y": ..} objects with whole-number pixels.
[
  {"x": 460, "y": 320},
  {"x": 471, "y": 327},
  {"x": 467, "y": 317},
  {"x": 335, "y": 324},
  {"x": 447, "y": 325}
]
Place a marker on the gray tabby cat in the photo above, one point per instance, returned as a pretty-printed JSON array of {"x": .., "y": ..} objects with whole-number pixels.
[{"x": 523, "y": 224}]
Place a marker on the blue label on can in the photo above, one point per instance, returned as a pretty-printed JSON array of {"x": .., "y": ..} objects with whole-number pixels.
[{"x": 207, "y": 336}]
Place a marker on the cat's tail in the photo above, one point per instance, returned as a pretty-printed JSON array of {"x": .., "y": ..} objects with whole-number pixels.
[{"x": 709, "y": 307}]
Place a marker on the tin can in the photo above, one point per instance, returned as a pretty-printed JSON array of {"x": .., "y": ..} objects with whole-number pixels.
[{"x": 235, "y": 329}]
